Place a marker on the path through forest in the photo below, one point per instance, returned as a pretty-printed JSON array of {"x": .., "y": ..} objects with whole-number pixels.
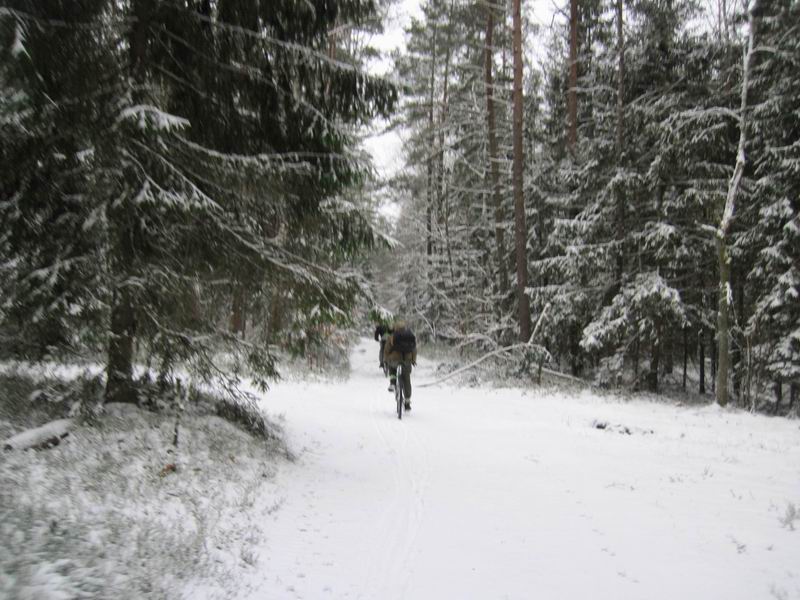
[{"x": 505, "y": 493}]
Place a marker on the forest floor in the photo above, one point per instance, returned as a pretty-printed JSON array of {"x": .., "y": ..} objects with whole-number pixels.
[{"x": 507, "y": 493}]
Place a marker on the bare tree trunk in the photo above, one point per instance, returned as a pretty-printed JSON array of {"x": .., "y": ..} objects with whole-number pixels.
[
  {"x": 494, "y": 154},
  {"x": 331, "y": 51},
  {"x": 620, "y": 207},
  {"x": 429, "y": 212},
  {"x": 685, "y": 355},
  {"x": 575, "y": 350},
  {"x": 655, "y": 360},
  {"x": 725, "y": 20},
  {"x": 778, "y": 387},
  {"x": 443, "y": 117},
  {"x": 572, "y": 92},
  {"x": 713, "y": 355},
  {"x": 520, "y": 230},
  {"x": 119, "y": 382},
  {"x": 725, "y": 294},
  {"x": 441, "y": 185},
  {"x": 620, "y": 81},
  {"x": 119, "y": 374},
  {"x": 702, "y": 360},
  {"x": 447, "y": 240},
  {"x": 238, "y": 312},
  {"x": 737, "y": 359}
]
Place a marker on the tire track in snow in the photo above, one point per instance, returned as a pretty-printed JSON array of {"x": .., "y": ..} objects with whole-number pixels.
[{"x": 389, "y": 571}]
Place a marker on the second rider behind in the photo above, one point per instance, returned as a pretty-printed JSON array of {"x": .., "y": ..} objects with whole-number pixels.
[{"x": 381, "y": 331}]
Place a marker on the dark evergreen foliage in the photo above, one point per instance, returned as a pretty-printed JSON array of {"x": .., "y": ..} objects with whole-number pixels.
[
  {"x": 621, "y": 229},
  {"x": 161, "y": 159}
]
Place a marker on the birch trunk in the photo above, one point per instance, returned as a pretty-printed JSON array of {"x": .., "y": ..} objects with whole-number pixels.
[{"x": 725, "y": 294}]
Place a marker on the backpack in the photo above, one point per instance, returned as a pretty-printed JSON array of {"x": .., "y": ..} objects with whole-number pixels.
[{"x": 404, "y": 341}]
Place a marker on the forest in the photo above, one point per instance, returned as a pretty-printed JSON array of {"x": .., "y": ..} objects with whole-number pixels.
[
  {"x": 174, "y": 171},
  {"x": 633, "y": 195},
  {"x": 589, "y": 239}
]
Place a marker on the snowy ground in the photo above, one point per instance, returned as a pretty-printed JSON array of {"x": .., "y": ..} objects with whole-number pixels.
[
  {"x": 117, "y": 511},
  {"x": 502, "y": 493}
]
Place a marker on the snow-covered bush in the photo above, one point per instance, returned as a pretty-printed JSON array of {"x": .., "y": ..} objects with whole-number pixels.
[{"x": 639, "y": 316}]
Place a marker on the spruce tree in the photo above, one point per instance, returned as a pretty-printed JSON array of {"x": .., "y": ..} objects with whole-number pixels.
[
  {"x": 221, "y": 141},
  {"x": 774, "y": 326}
]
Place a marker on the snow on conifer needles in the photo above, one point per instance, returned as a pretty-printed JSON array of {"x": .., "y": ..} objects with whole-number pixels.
[{"x": 204, "y": 177}]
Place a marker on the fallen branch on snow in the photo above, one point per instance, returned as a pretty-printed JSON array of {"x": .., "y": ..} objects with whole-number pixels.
[
  {"x": 46, "y": 436},
  {"x": 516, "y": 346},
  {"x": 473, "y": 364}
]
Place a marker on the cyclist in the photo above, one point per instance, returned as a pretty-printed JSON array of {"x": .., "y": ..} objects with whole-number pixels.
[
  {"x": 383, "y": 318},
  {"x": 401, "y": 348},
  {"x": 382, "y": 331}
]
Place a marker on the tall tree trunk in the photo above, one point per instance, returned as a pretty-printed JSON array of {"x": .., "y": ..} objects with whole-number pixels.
[
  {"x": 737, "y": 360},
  {"x": 572, "y": 92},
  {"x": 702, "y": 360},
  {"x": 119, "y": 373},
  {"x": 725, "y": 20},
  {"x": 239, "y": 312},
  {"x": 619, "y": 213},
  {"x": 520, "y": 230},
  {"x": 447, "y": 240},
  {"x": 494, "y": 154},
  {"x": 431, "y": 155},
  {"x": 685, "y": 355},
  {"x": 443, "y": 120},
  {"x": 778, "y": 387},
  {"x": 725, "y": 294},
  {"x": 712, "y": 350},
  {"x": 332, "y": 33},
  {"x": 620, "y": 81},
  {"x": 119, "y": 382},
  {"x": 655, "y": 359},
  {"x": 576, "y": 356}
]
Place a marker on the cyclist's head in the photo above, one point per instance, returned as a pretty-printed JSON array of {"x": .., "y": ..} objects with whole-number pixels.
[{"x": 399, "y": 323}]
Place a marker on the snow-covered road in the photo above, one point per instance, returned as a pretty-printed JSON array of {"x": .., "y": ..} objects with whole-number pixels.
[{"x": 502, "y": 493}]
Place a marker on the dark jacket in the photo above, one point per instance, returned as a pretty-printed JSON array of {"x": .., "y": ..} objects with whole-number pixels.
[{"x": 393, "y": 356}]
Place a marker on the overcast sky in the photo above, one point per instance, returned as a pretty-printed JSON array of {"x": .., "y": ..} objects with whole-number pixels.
[{"x": 386, "y": 148}]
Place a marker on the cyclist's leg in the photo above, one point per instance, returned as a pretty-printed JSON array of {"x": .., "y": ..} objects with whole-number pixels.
[
  {"x": 380, "y": 353},
  {"x": 407, "y": 380},
  {"x": 392, "y": 376}
]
